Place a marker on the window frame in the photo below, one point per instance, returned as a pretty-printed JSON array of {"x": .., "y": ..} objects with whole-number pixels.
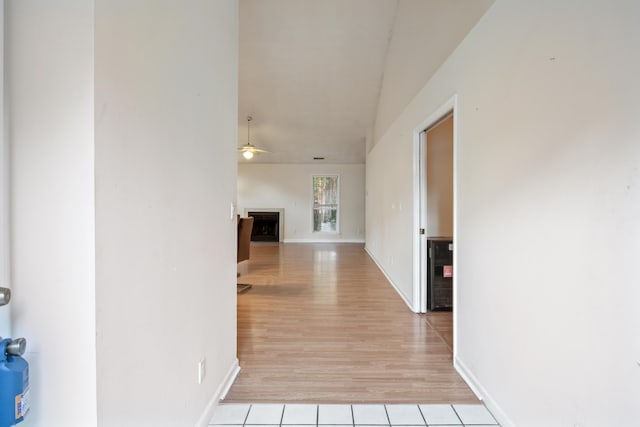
[{"x": 338, "y": 202}]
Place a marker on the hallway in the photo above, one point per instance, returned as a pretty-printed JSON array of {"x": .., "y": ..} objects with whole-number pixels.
[{"x": 322, "y": 324}]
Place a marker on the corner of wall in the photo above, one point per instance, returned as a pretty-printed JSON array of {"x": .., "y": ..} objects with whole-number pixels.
[
  {"x": 404, "y": 297},
  {"x": 220, "y": 394},
  {"x": 481, "y": 393}
]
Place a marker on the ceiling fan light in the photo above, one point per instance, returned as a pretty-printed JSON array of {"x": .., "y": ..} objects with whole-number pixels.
[{"x": 248, "y": 150}]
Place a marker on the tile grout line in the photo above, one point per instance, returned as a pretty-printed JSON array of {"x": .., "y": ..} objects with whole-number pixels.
[
  {"x": 353, "y": 417},
  {"x": 422, "y": 415},
  {"x": 246, "y": 417},
  {"x": 284, "y": 406},
  {"x": 456, "y": 412},
  {"x": 387, "y": 414}
]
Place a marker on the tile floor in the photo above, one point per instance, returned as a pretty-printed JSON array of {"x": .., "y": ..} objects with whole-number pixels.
[{"x": 301, "y": 415}]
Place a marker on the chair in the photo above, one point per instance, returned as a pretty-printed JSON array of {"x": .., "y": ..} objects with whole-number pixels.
[{"x": 245, "y": 225}]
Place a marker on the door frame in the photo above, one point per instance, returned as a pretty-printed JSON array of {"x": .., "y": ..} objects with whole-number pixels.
[
  {"x": 420, "y": 208},
  {"x": 5, "y": 191}
]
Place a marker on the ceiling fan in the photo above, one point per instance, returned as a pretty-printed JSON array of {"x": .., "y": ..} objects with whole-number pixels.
[{"x": 249, "y": 150}]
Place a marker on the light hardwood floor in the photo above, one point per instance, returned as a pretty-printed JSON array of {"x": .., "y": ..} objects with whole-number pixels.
[{"x": 322, "y": 324}]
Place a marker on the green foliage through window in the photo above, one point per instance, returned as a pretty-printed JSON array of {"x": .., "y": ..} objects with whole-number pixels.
[{"x": 325, "y": 203}]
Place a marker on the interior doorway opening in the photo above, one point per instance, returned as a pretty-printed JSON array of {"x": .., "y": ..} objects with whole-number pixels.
[
  {"x": 435, "y": 277},
  {"x": 439, "y": 214},
  {"x": 305, "y": 331}
]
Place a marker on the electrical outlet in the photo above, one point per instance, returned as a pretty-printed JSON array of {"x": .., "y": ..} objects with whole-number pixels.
[{"x": 202, "y": 370}]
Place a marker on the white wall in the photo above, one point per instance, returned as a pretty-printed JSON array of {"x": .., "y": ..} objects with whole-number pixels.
[
  {"x": 49, "y": 59},
  {"x": 548, "y": 196},
  {"x": 389, "y": 221},
  {"x": 289, "y": 186},
  {"x": 424, "y": 34},
  {"x": 166, "y": 133}
]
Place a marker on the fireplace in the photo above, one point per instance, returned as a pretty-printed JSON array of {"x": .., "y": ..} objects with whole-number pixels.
[{"x": 266, "y": 226}]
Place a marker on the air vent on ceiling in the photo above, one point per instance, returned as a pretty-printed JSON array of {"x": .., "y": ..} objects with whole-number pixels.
[{"x": 318, "y": 158}]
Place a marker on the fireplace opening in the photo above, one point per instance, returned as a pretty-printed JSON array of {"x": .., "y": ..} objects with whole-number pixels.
[{"x": 266, "y": 226}]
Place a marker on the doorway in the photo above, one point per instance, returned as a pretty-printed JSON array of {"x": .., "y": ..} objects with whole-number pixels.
[
  {"x": 435, "y": 208},
  {"x": 439, "y": 214}
]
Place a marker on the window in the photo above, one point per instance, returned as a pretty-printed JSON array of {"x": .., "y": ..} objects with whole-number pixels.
[{"x": 325, "y": 203}]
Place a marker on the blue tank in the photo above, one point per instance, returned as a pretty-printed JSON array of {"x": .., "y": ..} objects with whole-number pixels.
[{"x": 14, "y": 387}]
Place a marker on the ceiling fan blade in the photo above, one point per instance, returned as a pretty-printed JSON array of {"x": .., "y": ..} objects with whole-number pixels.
[{"x": 252, "y": 148}]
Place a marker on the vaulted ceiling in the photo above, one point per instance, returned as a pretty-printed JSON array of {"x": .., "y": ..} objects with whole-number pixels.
[{"x": 311, "y": 72}]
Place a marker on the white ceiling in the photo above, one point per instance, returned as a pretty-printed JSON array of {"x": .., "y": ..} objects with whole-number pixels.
[{"x": 311, "y": 71}]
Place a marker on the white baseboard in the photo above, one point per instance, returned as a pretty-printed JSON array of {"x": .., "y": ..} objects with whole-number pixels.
[
  {"x": 221, "y": 393},
  {"x": 311, "y": 240},
  {"x": 402, "y": 295},
  {"x": 481, "y": 393}
]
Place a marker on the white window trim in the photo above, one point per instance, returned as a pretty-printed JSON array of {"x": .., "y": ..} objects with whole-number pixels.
[{"x": 338, "y": 212}]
